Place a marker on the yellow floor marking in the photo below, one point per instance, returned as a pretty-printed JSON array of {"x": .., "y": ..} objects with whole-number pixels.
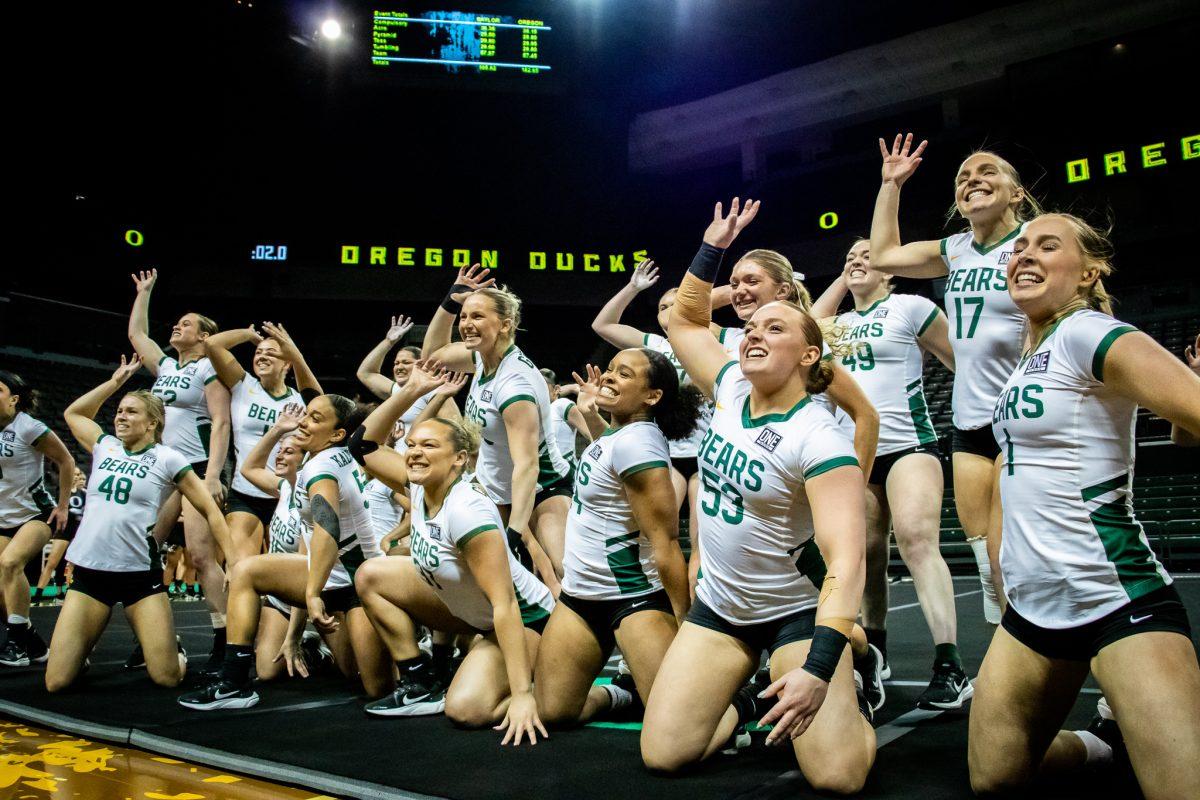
[
  {"x": 222, "y": 779},
  {"x": 180, "y": 796},
  {"x": 162, "y": 760}
]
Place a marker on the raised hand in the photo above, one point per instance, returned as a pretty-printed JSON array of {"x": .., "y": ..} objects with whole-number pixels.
[
  {"x": 589, "y": 389},
  {"x": 724, "y": 228},
  {"x": 287, "y": 348},
  {"x": 289, "y": 418},
  {"x": 453, "y": 384},
  {"x": 898, "y": 163},
  {"x": 400, "y": 326},
  {"x": 644, "y": 276},
  {"x": 1191, "y": 354},
  {"x": 428, "y": 375},
  {"x": 252, "y": 335},
  {"x": 470, "y": 279},
  {"x": 126, "y": 369},
  {"x": 144, "y": 280}
]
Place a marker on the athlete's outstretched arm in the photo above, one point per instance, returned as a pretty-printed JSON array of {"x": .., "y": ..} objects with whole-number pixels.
[
  {"x": 442, "y": 403},
  {"x": 306, "y": 381},
  {"x": 487, "y": 556},
  {"x": 437, "y": 344},
  {"x": 52, "y": 447},
  {"x": 216, "y": 397},
  {"x": 327, "y": 533},
  {"x": 607, "y": 323},
  {"x": 80, "y": 416},
  {"x": 1179, "y": 436},
  {"x": 827, "y": 304},
  {"x": 365, "y": 445},
  {"x": 254, "y": 468},
  {"x": 522, "y": 426},
  {"x": 217, "y": 347},
  {"x": 701, "y": 355},
  {"x": 915, "y": 259},
  {"x": 849, "y": 396},
  {"x": 652, "y": 500},
  {"x": 936, "y": 340},
  {"x": 139, "y": 321},
  {"x": 197, "y": 493},
  {"x": 369, "y": 372},
  {"x": 1143, "y": 370}
]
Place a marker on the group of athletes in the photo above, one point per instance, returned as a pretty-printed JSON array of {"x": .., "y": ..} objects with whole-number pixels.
[{"x": 796, "y": 445}]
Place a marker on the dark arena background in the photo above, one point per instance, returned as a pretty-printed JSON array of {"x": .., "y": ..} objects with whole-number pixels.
[{"x": 328, "y": 165}]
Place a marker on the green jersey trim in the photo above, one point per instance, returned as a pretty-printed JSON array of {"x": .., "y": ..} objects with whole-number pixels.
[
  {"x": 471, "y": 534},
  {"x": 164, "y": 358},
  {"x": 186, "y": 469},
  {"x": 322, "y": 477},
  {"x": 636, "y": 468},
  {"x": 645, "y": 340},
  {"x": 625, "y": 563},
  {"x": 928, "y": 321},
  {"x": 721, "y": 374},
  {"x": 566, "y": 411},
  {"x": 721, "y": 335},
  {"x": 517, "y": 399},
  {"x": 983, "y": 251},
  {"x": 918, "y": 412},
  {"x": 101, "y": 438},
  {"x": 483, "y": 375},
  {"x": 756, "y": 422},
  {"x": 830, "y": 464},
  {"x": 1121, "y": 536},
  {"x": 40, "y": 436},
  {"x": 942, "y": 246},
  {"x": 873, "y": 306},
  {"x": 209, "y": 379},
  {"x": 1045, "y": 335},
  {"x": 287, "y": 392},
  {"x": 1102, "y": 349},
  {"x": 136, "y": 452}
]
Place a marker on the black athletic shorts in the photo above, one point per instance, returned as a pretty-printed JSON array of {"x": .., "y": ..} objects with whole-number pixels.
[
  {"x": 604, "y": 616},
  {"x": 111, "y": 588},
  {"x": 200, "y": 468},
  {"x": 1161, "y": 610},
  {"x": 42, "y": 516},
  {"x": 175, "y": 537},
  {"x": 537, "y": 624},
  {"x": 562, "y": 487},
  {"x": 68, "y": 533},
  {"x": 769, "y": 636},
  {"x": 261, "y": 507},
  {"x": 342, "y": 599},
  {"x": 687, "y": 466},
  {"x": 883, "y": 464},
  {"x": 979, "y": 441}
]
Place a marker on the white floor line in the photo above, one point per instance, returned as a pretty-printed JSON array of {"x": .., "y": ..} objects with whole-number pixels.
[
  {"x": 926, "y": 683},
  {"x": 915, "y": 605}
]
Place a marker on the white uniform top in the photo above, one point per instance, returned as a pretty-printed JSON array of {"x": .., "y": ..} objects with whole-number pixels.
[
  {"x": 181, "y": 387},
  {"x": 987, "y": 330},
  {"x": 564, "y": 434},
  {"x": 23, "y": 494},
  {"x": 1072, "y": 550},
  {"x": 409, "y": 417},
  {"x": 760, "y": 561},
  {"x": 606, "y": 556},
  {"x": 253, "y": 410},
  {"x": 358, "y": 542},
  {"x": 286, "y": 528},
  {"x": 682, "y": 448},
  {"x": 886, "y": 361},
  {"x": 385, "y": 512},
  {"x": 515, "y": 379},
  {"x": 124, "y": 494},
  {"x": 731, "y": 339},
  {"x": 437, "y": 544}
]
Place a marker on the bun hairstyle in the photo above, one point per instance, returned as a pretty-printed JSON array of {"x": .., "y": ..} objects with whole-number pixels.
[
  {"x": 550, "y": 376},
  {"x": 464, "y": 434},
  {"x": 1098, "y": 252},
  {"x": 677, "y": 413},
  {"x": 27, "y": 396},
  {"x": 1029, "y": 206},
  {"x": 155, "y": 410},
  {"x": 348, "y": 414},
  {"x": 506, "y": 304},
  {"x": 820, "y": 374}
]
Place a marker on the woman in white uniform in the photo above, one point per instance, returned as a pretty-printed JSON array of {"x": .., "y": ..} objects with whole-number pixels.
[
  {"x": 1085, "y": 592},
  {"x": 885, "y": 338},
  {"x": 197, "y": 408},
  {"x": 115, "y": 556},
  {"x": 256, "y": 400},
  {"x": 29, "y": 516},
  {"x": 519, "y": 464},
  {"x": 783, "y": 525},
  {"x": 461, "y": 579},
  {"x": 986, "y": 329},
  {"x": 567, "y": 419},
  {"x": 625, "y": 579}
]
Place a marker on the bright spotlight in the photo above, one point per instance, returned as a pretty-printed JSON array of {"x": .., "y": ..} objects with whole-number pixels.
[{"x": 331, "y": 29}]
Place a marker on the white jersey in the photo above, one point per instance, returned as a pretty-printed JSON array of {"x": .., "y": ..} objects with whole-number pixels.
[
  {"x": 760, "y": 560},
  {"x": 682, "y": 448},
  {"x": 1072, "y": 551},
  {"x": 409, "y": 417},
  {"x": 515, "y": 379},
  {"x": 564, "y": 434},
  {"x": 437, "y": 544},
  {"x": 181, "y": 387},
  {"x": 358, "y": 542},
  {"x": 124, "y": 494},
  {"x": 23, "y": 494},
  {"x": 731, "y": 339},
  {"x": 385, "y": 512},
  {"x": 253, "y": 410},
  {"x": 886, "y": 361},
  {"x": 286, "y": 528},
  {"x": 606, "y": 556},
  {"x": 987, "y": 330}
]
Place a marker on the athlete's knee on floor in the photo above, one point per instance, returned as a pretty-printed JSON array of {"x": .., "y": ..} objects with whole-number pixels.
[
  {"x": 994, "y": 777},
  {"x": 470, "y": 711},
  {"x": 168, "y": 675},
  {"x": 834, "y": 777},
  {"x": 557, "y": 713},
  {"x": 57, "y": 682},
  {"x": 666, "y": 757}
]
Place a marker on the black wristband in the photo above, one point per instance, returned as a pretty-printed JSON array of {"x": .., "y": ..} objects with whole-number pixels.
[
  {"x": 516, "y": 543},
  {"x": 360, "y": 447},
  {"x": 824, "y": 652},
  {"x": 451, "y": 305},
  {"x": 707, "y": 262}
]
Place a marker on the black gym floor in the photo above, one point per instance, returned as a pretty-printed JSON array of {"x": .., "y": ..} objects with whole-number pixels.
[{"x": 314, "y": 733}]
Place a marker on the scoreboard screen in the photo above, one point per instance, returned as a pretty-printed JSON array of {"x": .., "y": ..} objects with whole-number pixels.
[{"x": 439, "y": 42}]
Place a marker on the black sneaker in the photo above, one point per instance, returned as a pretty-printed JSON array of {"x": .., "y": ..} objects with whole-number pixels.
[
  {"x": 869, "y": 676},
  {"x": 35, "y": 645},
  {"x": 864, "y": 705},
  {"x": 137, "y": 659},
  {"x": 949, "y": 688},
  {"x": 418, "y": 693},
  {"x": 14, "y": 654},
  {"x": 219, "y": 694}
]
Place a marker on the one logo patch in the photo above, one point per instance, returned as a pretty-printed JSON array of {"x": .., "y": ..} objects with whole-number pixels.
[
  {"x": 149, "y": 459},
  {"x": 1005, "y": 256},
  {"x": 595, "y": 451},
  {"x": 487, "y": 395},
  {"x": 1040, "y": 362},
  {"x": 435, "y": 531},
  {"x": 880, "y": 314},
  {"x": 190, "y": 370},
  {"x": 768, "y": 440},
  {"x": 8, "y": 436}
]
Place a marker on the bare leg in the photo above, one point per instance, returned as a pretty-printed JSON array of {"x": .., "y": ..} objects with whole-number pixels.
[
  {"x": 569, "y": 659},
  {"x": 479, "y": 694},
  {"x": 246, "y": 531},
  {"x": 973, "y": 485},
  {"x": 875, "y": 591},
  {"x": 76, "y": 632},
  {"x": 15, "y": 553},
  {"x": 57, "y": 548},
  {"x": 549, "y": 525},
  {"x": 154, "y": 627}
]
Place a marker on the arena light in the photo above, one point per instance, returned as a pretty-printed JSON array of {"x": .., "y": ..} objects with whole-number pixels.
[{"x": 331, "y": 28}]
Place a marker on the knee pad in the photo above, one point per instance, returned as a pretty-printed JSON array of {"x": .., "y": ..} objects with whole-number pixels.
[{"x": 991, "y": 603}]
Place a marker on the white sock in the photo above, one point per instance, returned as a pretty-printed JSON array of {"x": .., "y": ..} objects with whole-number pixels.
[
  {"x": 17, "y": 619},
  {"x": 218, "y": 619},
  {"x": 1103, "y": 710},
  {"x": 1098, "y": 751},
  {"x": 618, "y": 698},
  {"x": 991, "y": 604}
]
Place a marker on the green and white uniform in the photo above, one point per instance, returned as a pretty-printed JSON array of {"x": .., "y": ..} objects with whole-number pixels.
[
  {"x": 124, "y": 494},
  {"x": 409, "y": 417},
  {"x": 284, "y": 533},
  {"x": 682, "y": 448},
  {"x": 987, "y": 330},
  {"x": 515, "y": 379},
  {"x": 886, "y": 361},
  {"x": 760, "y": 561},
  {"x": 23, "y": 494},
  {"x": 606, "y": 557},
  {"x": 358, "y": 542},
  {"x": 437, "y": 554},
  {"x": 1073, "y": 550},
  {"x": 385, "y": 512},
  {"x": 564, "y": 434},
  {"x": 181, "y": 387},
  {"x": 253, "y": 410}
]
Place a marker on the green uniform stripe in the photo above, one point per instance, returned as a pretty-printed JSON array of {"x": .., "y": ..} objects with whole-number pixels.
[
  {"x": 833, "y": 463},
  {"x": 186, "y": 469},
  {"x": 204, "y": 431},
  {"x": 645, "y": 340},
  {"x": 928, "y": 321},
  {"x": 721, "y": 374},
  {"x": 942, "y": 247},
  {"x": 636, "y": 468},
  {"x": 352, "y": 559},
  {"x": 567, "y": 412},
  {"x": 517, "y": 399},
  {"x": 983, "y": 251},
  {"x": 755, "y": 422},
  {"x": 1104, "y": 487},
  {"x": 1121, "y": 536},
  {"x": 471, "y": 534},
  {"x": 39, "y": 437},
  {"x": 919, "y": 413},
  {"x": 530, "y": 612},
  {"x": 323, "y": 476},
  {"x": 625, "y": 563},
  {"x": 1102, "y": 349}
]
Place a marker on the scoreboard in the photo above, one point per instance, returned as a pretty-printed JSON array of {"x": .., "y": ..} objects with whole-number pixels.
[{"x": 456, "y": 42}]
